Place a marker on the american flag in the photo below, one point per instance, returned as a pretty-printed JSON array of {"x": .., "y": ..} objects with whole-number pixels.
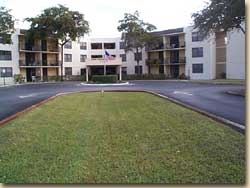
[{"x": 108, "y": 56}]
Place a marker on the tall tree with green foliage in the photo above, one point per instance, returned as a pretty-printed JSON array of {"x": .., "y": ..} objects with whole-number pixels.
[
  {"x": 135, "y": 33},
  {"x": 220, "y": 14},
  {"x": 59, "y": 23},
  {"x": 6, "y": 25}
]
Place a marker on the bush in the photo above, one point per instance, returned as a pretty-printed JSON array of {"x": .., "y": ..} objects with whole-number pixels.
[
  {"x": 144, "y": 77},
  {"x": 104, "y": 78},
  {"x": 18, "y": 78},
  {"x": 182, "y": 76},
  {"x": 74, "y": 78}
]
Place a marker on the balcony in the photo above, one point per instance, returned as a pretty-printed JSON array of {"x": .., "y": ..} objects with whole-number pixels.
[
  {"x": 50, "y": 63},
  {"x": 38, "y": 49},
  {"x": 155, "y": 48},
  {"x": 154, "y": 61},
  {"x": 102, "y": 61},
  {"x": 23, "y": 63},
  {"x": 177, "y": 45},
  {"x": 175, "y": 61}
]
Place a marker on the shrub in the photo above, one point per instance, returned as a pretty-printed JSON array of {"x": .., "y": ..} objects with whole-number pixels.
[
  {"x": 18, "y": 78},
  {"x": 182, "y": 76},
  {"x": 104, "y": 78},
  {"x": 144, "y": 77}
]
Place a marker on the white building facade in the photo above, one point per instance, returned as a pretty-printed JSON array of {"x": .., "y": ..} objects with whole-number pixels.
[{"x": 222, "y": 55}]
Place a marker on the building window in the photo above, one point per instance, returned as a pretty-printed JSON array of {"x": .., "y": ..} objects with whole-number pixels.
[
  {"x": 67, "y": 57},
  {"x": 197, "y": 52},
  {"x": 83, "y": 45},
  {"x": 5, "y": 55},
  {"x": 68, "y": 45},
  {"x": 124, "y": 58},
  {"x": 96, "y": 56},
  {"x": 138, "y": 56},
  {"x": 96, "y": 46},
  {"x": 83, "y": 58},
  {"x": 124, "y": 70},
  {"x": 196, "y": 36},
  {"x": 138, "y": 69},
  {"x": 197, "y": 68},
  {"x": 68, "y": 71},
  {"x": 122, "y": 45},
  {"x": 109, "y": 45},
  {"x": 83, "y": 72},
  {"x": 8, "y": 72}
]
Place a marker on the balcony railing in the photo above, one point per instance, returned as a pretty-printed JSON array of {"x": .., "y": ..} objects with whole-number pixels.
[
  {"x": 175, "y": 61},
  {"x": 180, "y": 44},
  {"x": 29, "y": 63},
  {"x": 38, "y": 63},
  {"x": 50, "y": 63},
  {"x": 154, "y": 61},
  {"x": 38, "y": 48}
]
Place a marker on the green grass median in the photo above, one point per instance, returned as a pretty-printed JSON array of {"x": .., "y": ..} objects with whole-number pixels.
[{"x": 112, "y": 137}]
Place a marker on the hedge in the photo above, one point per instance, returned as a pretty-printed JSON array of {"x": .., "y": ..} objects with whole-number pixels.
[
  {"x": 104, "y": 78},
  {"x": 144, "y": 77}
]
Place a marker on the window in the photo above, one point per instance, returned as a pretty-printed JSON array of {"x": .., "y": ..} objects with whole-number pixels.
[
  {"x": 95, "y": 46},
  {"x": 196, "y": 36},
  {"x": 197, "y": 68},
  {"x": 197, "y": 52},
  {"x": 67, "y": 57},
  {"x": 122, "y": 45},
  {"x": 138, "y": 56},
  {"x": 68, "y": 45},
  {"x": 124, "y": 58},
  {"x": 96, "y": 56},
  {"x": 124, "y": 70},
  {"x": 83, "y": 58},
  {"x": 68, "y": 71},
  {"x": 138, "y": 69},
  {"x": 83, "y": 45},
  {"x": 109, "y": 45},
  {"x": 8, "y": 72},
  {"x": 5, "y": 55}
]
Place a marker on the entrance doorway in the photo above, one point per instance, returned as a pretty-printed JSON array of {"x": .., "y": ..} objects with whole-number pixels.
[
  {"x": 29, "y": 73},
  {"x": 174, "y": 71}
]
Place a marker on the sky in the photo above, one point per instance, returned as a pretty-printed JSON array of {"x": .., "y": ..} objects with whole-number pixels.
[{"x": 103, "y": 15}]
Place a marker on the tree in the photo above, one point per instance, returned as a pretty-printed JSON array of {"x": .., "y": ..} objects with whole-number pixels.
[
  {"x": 220, "y": 14},
  {"x": 6, "y": 25},
  {"x": 136, "y": 33},
  {"x": 59, "y": 23}
]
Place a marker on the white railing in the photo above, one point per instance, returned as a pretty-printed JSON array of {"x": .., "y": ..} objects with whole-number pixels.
[{"x": 104, "y": 61}]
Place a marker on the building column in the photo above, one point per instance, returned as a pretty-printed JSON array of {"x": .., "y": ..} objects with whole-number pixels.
[
  {"x": 120, "y": 72},
  {"x": 41, "y": 73},
  {"x": 87, "y": 74}
]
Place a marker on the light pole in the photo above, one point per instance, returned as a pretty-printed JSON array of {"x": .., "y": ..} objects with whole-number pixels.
[{"x": 3, "y": 71}]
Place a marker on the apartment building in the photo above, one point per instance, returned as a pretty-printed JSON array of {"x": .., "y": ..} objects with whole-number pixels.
[
  {"x": 181, "y": 51},
  {"x": 9, "y": 61},
  {"x": 38, "y": 59}
]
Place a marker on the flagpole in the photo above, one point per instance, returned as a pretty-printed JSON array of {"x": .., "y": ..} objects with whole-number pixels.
[{"x": 104, "y": 67}]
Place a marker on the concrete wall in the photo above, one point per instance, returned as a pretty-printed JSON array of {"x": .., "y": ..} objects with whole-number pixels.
[
  {"x": 14, "y": 63},
  {"x": 208, "y": 59},
  {"x": 236, "y": 61}
]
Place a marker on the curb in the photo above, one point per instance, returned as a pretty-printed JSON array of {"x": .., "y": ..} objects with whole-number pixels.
[{"x": 235, "y": 126}]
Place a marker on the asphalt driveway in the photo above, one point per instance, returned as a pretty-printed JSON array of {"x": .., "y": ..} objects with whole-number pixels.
[{"x": 208, "y": 97}]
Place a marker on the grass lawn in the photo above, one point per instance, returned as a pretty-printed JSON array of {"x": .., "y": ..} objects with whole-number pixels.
[
  {"x": 119, "y": 138},
  {"x": 222, "y": 81}
]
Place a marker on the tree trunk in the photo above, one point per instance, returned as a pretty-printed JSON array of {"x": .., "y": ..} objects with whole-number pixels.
[{"x": 61, "y": 62}]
